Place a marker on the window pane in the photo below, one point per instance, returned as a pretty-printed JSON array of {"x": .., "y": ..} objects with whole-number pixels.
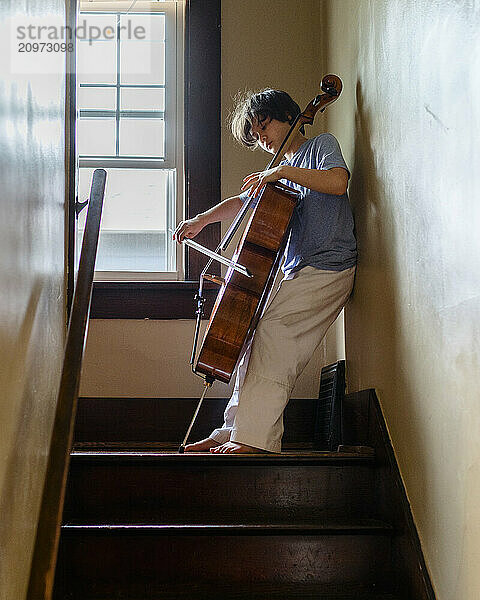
[
  {"x": 148, "y": 27},
  {"x": 136, "y": 223},
  {"x": 142, "y": 48},
  {"x": 97, "y": 98},
  {"x": 96, "y": 26},
  {"x": 142, "y": 137},
  {"x": 142, "y": 62},
  {"x": 97, "y": 62},
  {"x": 96, "y": 137},
  {"x": 142, "y": 99}
]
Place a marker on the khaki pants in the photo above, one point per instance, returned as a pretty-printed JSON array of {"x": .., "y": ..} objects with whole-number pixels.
[{"x": 292, "y": 326}]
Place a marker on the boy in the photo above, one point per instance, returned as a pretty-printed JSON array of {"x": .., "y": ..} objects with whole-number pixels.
[{"x": 319, "y": 268}]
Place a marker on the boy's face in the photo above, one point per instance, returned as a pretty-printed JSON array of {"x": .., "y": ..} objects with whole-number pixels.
[{"x": 270, "y": 133}]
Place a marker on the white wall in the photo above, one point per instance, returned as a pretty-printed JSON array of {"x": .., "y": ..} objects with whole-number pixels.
[
  {"x": 409, "y": 124},
  {"x": 32, "y": 299}
]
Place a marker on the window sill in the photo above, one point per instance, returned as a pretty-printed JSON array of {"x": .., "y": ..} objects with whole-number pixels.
[{"x": 149, "y": 300}]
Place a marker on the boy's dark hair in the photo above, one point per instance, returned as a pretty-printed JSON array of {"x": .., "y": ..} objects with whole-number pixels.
[{"x": 257, "y": 107}]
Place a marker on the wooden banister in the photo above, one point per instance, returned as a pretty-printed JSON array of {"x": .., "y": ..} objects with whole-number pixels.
[{"x": 42, "y": 572}]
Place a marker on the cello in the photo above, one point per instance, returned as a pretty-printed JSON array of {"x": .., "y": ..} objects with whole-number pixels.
[{"x": 254, "y": 265}]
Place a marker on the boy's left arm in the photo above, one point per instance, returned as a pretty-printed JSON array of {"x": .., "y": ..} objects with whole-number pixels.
[{"x": 327, "y": 181}]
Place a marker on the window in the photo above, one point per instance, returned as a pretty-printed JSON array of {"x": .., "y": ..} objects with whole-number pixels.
[
  {"x": 125, "y": 298},
  {"x": 130, "y": 107}
]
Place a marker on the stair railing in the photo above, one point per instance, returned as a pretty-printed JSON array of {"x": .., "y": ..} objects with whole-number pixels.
[{"x": 42, "y": 572}]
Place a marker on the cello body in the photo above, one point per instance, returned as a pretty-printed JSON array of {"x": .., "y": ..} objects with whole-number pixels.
[{"x": 241, "y": 299}]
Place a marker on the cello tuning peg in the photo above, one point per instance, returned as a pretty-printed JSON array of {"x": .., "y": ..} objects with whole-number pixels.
[{"x": 330, "y": 89}]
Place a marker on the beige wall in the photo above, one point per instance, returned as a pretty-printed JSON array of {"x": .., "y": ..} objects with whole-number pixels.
[
  {"x": 267, "y": 44},
  {"x": 32, "y": 314},
  {"x": 409, "y": 124},
  {"x": 150, "y": 359},
  {"x": 135, "y": 358}
]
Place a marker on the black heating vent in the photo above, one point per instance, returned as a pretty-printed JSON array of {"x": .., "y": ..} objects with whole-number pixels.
[{"x": 328, "y": 419}]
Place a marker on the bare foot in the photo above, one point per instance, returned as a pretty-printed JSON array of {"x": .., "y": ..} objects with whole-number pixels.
[
  {"x": 202, "y": 445},
  {"x": 235, "y": 448}
]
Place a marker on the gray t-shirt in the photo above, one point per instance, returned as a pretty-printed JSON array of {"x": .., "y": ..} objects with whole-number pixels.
[
  {"x": 322, "y": 224},
  {"x": 321, "y": 235}
]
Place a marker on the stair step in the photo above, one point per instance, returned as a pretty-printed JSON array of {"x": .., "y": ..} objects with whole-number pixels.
[
  {"x": 312, "y": 527},
  {"x": 171, "y": 455},
  {"x": 258, "y": 591},
  {"x": 167, "y": 487},
  {"x": 144, "y": 563},
  {"x": 275, "y": 592}
]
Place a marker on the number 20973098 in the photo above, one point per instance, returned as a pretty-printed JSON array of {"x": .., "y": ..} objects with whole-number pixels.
[{"x": 45, "y": 47}]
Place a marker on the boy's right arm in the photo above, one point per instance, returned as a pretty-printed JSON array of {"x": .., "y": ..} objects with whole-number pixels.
[{"x": 220, "y": 212}]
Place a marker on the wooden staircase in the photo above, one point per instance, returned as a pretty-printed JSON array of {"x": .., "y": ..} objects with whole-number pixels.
[{"x": 144, "y": 523}]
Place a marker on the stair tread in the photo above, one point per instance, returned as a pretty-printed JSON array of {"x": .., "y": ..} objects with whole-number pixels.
[
  {"x": 173, "y": 457},
  {"x": 265, "y": 591},
  {"x": 313, "y": 526},
  {"x": 265, "y": 595}
]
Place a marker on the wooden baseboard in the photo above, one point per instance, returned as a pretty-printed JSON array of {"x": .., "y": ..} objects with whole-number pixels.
[{"x": 364, "y": 425}]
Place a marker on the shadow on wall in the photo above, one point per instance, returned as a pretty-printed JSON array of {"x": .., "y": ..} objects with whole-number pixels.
[{"x": 372, "y": 317}]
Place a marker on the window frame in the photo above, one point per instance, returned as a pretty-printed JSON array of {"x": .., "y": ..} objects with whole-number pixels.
[
  {"x": 175, "y": 299},
  {"x": 173, "y": 148}
]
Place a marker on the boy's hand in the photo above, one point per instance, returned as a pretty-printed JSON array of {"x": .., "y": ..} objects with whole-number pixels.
[
  {"x": 188, "y": 229},
  {"x": 256, "y": 181}
]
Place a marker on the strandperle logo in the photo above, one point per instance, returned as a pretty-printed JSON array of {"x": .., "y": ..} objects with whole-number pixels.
[
  {"x": 39, "y": 45},
  {"x": 83, "y": 31}
]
